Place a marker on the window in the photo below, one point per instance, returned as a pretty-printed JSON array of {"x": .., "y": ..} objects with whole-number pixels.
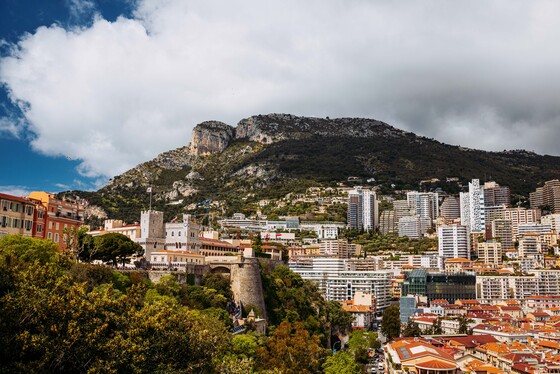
[
  {"x": 49, "y": 235},
  {"x": 5, "y": 205},
  {"x": 15, "y": 223},
  {"x": 57, "y": 226},
  {"x": 39, "y": 228},
  {"x": 50, "y": 225},
  {"x": 179, "y": 233},
  {"x": 56, "y": 238},
  {"x": 40, "y": 213},
  {"x": 28, "y": 225},
  {"x": 29, "y": 210}
]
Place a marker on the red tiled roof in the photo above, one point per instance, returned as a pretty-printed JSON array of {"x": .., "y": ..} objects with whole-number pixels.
[
  {"x": 474, "y": 340},
  {"x": 436, "y": 364}
]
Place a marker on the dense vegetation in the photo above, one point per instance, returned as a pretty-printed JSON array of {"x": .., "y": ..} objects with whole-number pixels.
[{"x": 58, "y": 315}]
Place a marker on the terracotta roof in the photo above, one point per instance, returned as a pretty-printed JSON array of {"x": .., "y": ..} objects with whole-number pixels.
[
  {"x": 436, "y": 364},
  {"x": 216, "y": 242},
  {"x": 356, "y": 308},
  {"x": 457, "y": 260},
  {"x": 510, "y": 307},
  {"x": 474, "y": 340}
]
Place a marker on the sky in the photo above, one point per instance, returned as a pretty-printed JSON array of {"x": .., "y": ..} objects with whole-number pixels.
[{"x": 92, "y": 88}]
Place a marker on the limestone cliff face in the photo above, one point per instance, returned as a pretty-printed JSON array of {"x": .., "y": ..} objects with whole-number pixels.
[
  {"x": 214, "y": 137},
  {"x": 210, "y": 137}
]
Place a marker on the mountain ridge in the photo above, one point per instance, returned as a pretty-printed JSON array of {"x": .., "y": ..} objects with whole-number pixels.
[{"x": 268, "y": 156}]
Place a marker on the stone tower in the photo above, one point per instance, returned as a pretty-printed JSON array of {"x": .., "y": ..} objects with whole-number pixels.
[
  {"x": 246, "y": 284},
  {"x": 152, "y": 232}
]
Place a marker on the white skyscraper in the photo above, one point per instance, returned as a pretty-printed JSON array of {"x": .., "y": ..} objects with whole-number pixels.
[
  {"x": 472, "y": 207},
  {"x": 362, "y": 209},
  {"x": 476, "y": 205},
  {"x": 424, "y": 204},
  {"x": 454, "y": 241}
]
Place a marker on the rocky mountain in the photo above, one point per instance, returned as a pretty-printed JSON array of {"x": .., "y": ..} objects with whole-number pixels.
[{"x": 268, "y": 156}]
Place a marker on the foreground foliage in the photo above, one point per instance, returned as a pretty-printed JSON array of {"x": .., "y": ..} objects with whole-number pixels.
[{"x": 58, "y": 315}]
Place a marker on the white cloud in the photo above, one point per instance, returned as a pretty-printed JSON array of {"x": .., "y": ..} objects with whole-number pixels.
[
  {"x": 116, "y": 94},
  {"x": 10, "y": 126},
  {"x": 15, "y": 190},
  {"x": 80, "y": 8}
]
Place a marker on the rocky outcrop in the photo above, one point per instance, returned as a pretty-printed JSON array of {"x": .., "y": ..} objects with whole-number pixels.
[
  {"x": 211, "y": 137},
  {"x": 214, "y": 137}
]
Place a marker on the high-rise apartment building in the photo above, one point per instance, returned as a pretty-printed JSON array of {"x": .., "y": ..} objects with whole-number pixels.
[
  {"x": 472, "y": 207},
  {"x": 414, "y": 227},
  {"x": 490, "y": 252},
  {"x": 362, "y": 209},
  {"x": 387, "y": 222},
  {"x": 453, "y": 241},
  {"x": 494, "y": 194},
  {"x": 423, "y": 204},
  {"x": 553, "y": 220},
  {"x": 502, "y": 232},
  {"x": 519, "y": 216},
  {"x": 401, "y": 209},
  {"x": 547, "y": 196},
  {"x": 450, "y": 208}
]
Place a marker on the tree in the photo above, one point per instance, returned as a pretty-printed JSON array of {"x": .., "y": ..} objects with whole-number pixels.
[
  {"x": 115, "y": 247},
  {"x": 464, "y": 326},
  {"x": 341, "y": 363},
  {"x": 359, "y": 344},
  {"x": 391, "y": 322},
  {"x": 291, "y": 349},
  {"x": 257, "y": 243},
  {"x": 436, "y": 327},
  {"x": 411, "y": 329},
  {"x": 219, "y": 283}
]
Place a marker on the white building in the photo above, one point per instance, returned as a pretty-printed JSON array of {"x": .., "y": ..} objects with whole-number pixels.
[
  {"x": 472, "y": 207},
  {"x": 519, "y": 216},
  {"x": 424, "y": 204},
  {"x": 490, "y": 252},
  {"x": 453, "y": 241},
  {"x": 362, "y": 209},
  {"x": 553, "y": 220},
  {"x": 534, "y": 228},
  {"x": 336, "y": 283},
  {"x": 324, "y": 230},
  {"x": 183, "y": 235},
  {"x": 497, "y": 288},
  {"x": 414, "y": 227}
]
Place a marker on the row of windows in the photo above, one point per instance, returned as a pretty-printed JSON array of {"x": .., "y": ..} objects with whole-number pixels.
[
  {"x": 178, "y": 234},
  {"x": 57, "y": 225},
  {"x": 16, "y": 223},
  {"x": 50, "y": 236},
  {"x": 15, "y": 207}
]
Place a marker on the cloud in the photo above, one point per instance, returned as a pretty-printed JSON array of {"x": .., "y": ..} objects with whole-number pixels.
[
  {"x": 15, "y": 190},
  {"x": 10, "y": 126},
  {"x": 114, "y": 94},
  {"x": 80, "y": 9}
]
